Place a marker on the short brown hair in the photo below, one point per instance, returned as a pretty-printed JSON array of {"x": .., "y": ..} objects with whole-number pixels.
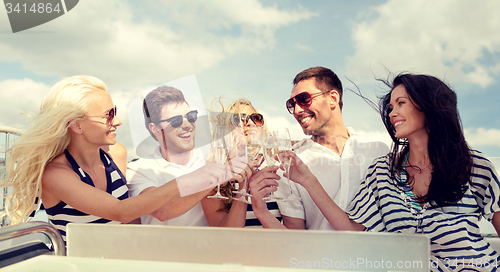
[
  {"x": 156, "y": 99},
  {"x": 326, "y": 80}
]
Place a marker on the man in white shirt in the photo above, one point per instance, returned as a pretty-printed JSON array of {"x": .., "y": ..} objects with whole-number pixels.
[
  {"x": 171, "y": 122},
  {"x": 336, "y": 155}
]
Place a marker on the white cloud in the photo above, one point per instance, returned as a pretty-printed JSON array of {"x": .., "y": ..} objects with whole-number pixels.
[
  {"x": 275, "y": 122},
  {"x": 163, "y": 40},
  {"x": 482, "y": 137},
  {"x": 443, "y": 38},
  {"x": 377, "y": 136},
  {"x": 304, "y": 47},
  {"x": 19, "y": 97}
]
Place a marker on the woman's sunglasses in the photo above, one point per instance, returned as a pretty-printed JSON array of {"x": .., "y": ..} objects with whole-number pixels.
[
  {"x": 303, "y": 99},
  {"x": 109, "y": 117},
  {"x": 256, "y": 118},
  {"x": 176, "y": 121}
]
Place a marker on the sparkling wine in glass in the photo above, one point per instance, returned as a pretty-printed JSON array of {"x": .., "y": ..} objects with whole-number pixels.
[
  {"x": 254, "y": 154},
  {"x": 220, "y": 145},
  {"x": 270, "y": 152},
  {"x": 284, "y": 143}
]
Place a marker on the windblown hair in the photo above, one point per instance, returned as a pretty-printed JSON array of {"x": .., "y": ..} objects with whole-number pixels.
[
  {"x": 238, "y": 105},
  {"x": 449, "y": 153},
  {"x": 225, "y": 118},
  {"x": 155, "y": 100},
  {"x": 325, "y": 78},
  {"x": 45, "y": 138}
]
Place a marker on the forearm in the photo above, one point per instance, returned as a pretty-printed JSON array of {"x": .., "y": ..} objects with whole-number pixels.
[
  {"x": 236, "y": 216},
  {"x": 145, "y": 203},
  {"x": 268, "y": 220},
  {"x": 178, "y": 205}
]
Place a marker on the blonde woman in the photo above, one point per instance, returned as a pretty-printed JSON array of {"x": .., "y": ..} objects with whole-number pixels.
[
  {"x": 240, "y": 115},
  {"x": 68, "y": 155}
]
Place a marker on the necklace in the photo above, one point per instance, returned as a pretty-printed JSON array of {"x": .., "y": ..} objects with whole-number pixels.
[
  {"x": 410, "y": 199},
  {"x": 406, "y": 186}
]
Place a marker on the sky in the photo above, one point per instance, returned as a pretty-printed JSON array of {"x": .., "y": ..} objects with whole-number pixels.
[{"x": 254, "y": 49}]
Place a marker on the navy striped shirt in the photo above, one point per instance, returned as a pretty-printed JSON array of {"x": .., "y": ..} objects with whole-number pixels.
[
  {"x": 62, "y": 214},
  {"x": 455, "y": 238},
  {"x": 253, "y": 221}
]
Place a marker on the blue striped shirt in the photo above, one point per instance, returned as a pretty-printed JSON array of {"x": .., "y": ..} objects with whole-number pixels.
[
  {"x": 62, "y": 214},
  {"x": 455, "y": 238}
]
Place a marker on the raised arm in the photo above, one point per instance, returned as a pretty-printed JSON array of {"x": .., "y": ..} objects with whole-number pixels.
[
  {"x": 236, "y": 216},
  {"x": 301, "y": 174},
  {"x": 179, "y": 204},
  {"x": 261, "y": 185},
  {"x": 61, "y": 183}
]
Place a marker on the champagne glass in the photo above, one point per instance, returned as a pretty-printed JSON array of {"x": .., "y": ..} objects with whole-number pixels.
[
  {"x": 284, "y": 143},
  {"x": 254, "y": 154},
  {"x": 270, "y": 152},
  {"x": 220, "y": 146}
]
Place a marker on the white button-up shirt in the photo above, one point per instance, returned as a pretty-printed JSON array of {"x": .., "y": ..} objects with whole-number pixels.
[{"x": 340, "y": 176}]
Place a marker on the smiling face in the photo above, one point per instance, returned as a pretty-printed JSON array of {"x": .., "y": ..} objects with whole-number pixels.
[
  {"x": 247, "y": 110},
  {"x": 316, "y": 118},
  {"x": 408, "y": 121},
  {"x": 176, "y": 140},
  {"x": 94, "y": 127}
]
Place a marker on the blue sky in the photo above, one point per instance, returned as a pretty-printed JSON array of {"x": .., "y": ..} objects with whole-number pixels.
[{"x": 253, "y": 49}]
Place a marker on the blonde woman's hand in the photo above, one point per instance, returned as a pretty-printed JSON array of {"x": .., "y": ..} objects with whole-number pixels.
[{"x": 261, "y": 185}]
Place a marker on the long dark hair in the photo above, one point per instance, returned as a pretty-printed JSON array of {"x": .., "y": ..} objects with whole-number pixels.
[{"x": 449, "y": 153}]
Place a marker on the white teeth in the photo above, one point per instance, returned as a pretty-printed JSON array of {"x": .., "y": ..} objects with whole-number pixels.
[
  {"x": 305, "y": 120},
  {"x": 398, "y": 123},
  {"x": 186, "y": 135}
]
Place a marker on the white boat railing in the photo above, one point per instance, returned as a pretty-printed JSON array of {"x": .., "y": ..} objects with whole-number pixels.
[
  {"x": 27, "y": 228},
  {"x": 10, "y": 134}
]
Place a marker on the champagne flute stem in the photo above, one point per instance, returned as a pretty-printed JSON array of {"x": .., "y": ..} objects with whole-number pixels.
[{"x": 287, "y": 169}]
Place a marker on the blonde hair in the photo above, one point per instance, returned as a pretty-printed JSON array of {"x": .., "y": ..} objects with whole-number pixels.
[
  {"x": 238, "y": 105},
  {"x": 45, "y": 138},
  {"x": 225, "y": 118}
]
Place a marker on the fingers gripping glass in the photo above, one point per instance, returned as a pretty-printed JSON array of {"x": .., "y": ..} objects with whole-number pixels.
[
  {"x": 256, "y": 118},
  {"x": 176, "y": 121},
  {"x": 109, "y": 117},
  {"x": 303, "y": 99}
]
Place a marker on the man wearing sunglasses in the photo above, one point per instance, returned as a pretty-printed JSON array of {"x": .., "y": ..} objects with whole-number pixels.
[
  {"x": 171, "y": 122},
  {"x": 336, "y": 155}
]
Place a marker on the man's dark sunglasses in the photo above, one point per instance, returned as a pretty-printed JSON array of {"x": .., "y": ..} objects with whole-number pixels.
[
  {"x": 176, "y": 121},
  {"x": 303, "y": 99},
  {"x": 256, "y": 118}
]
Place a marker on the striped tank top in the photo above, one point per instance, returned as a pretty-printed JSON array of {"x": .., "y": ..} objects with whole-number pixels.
[
  {"x": 253, "y": 221},
  {"x": 62, "y": 214}
]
